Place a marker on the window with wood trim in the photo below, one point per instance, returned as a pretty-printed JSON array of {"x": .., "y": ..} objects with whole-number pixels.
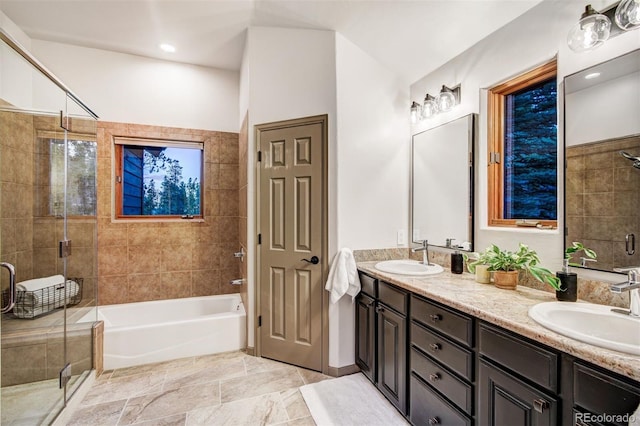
[
  {"x": 158, "y": 178},
  {"x": 523, "y": 149}
]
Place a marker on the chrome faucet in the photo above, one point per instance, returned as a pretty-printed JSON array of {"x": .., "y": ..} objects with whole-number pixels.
[
  {"x": 425, "y": 251},
  {"x": 632, "y": 285}
]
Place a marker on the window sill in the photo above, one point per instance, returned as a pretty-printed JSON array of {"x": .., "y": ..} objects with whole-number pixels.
[{"x": 520, "y": 229}]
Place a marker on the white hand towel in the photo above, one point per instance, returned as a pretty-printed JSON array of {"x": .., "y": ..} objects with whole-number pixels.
[{"x": 343, "y": 276}]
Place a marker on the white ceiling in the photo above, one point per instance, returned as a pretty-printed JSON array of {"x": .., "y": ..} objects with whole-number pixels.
[{"x": 411, "y": 38}]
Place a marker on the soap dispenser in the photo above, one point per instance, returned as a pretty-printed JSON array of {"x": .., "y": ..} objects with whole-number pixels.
[
  {"x": 568, "y": 284},
  {"x": 457, "y": 262}
]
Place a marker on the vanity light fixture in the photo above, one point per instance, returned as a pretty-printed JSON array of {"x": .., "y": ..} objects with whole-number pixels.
[
  {"x": 415, "y": 112},
  {"x": 594, "y": 28},
  {"x": 591, "y": 31},
  {"x": 432, "y": 105},
  {"x": 627, "y": 14},
  {"x": 429, "y": 107}
]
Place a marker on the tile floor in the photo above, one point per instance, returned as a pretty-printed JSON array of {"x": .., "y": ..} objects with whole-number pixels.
[{"x": 223, "y": 389}]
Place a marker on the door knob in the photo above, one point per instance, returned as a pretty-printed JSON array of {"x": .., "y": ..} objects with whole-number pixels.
[{"x": 314, "y": 260}]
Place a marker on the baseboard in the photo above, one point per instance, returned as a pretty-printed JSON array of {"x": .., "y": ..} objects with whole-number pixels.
[
  {"x": 343, "y": 371},
  {"x": 250, "y": 351}
]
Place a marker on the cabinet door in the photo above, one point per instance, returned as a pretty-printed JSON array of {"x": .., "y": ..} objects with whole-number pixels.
[
  {"x": 504, "y": 400},
  {"x": 366, "y": 336},
  {"x": 392, "y": 356}
]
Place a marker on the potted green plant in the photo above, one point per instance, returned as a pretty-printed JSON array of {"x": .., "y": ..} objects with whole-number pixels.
[
  {"x": 507, "y": 265},
  {"x": 568, "y": 291}
]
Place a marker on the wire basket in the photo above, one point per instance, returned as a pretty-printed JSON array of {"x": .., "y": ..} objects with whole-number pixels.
[{"x": 30, "y": 304}]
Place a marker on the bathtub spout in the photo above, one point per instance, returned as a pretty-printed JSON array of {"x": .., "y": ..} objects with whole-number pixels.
[{"x": 239, "y": 281}]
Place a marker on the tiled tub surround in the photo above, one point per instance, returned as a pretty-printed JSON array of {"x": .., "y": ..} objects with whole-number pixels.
[
  {"x": 152, "y": 260},
  {"x": 507, "y": 309},
  {"x": 231, "y": 388}
]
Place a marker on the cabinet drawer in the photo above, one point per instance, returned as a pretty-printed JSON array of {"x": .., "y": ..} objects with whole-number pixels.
[
  {"x": 427, "y": 408},
  {"x": 446, "y": 352},
  {"x": 451, "y": 323},
  {"x": 457, "y": 391},
  {"x": 393, "y": 297},
  {"x": 601, "y": 393},
  {"x": 533, "y": 362},
  {"x": 368, "y": 285}
]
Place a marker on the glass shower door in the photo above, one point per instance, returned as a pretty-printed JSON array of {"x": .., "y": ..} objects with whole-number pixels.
[{"x": 37, "y": 333}]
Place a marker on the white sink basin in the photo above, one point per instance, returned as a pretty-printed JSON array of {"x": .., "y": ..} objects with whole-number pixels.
[
  {"x": 408, "y": 267},
  {"x": 590, "y": 323}
]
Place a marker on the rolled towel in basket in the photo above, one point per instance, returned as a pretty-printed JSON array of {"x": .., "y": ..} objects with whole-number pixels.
[
  {"x": 43, "y": 295},
  {"x": 39, "y": 283}
]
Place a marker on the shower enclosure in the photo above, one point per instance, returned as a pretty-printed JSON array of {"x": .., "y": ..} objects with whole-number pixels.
[{"x": 47, "y": 239}]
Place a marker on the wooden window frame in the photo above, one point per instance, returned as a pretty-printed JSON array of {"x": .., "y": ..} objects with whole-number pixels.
[
  {"x": 495, "y": 140},
  {"x": 142, "y": 142}
]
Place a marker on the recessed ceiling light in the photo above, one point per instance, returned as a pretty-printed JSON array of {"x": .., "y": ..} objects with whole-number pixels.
[
  {"x": 170, "y": 48},
  {"x": 592, "y": 75}
]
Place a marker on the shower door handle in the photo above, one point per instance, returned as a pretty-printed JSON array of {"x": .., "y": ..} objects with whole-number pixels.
[{"x": 12, "y": 287}]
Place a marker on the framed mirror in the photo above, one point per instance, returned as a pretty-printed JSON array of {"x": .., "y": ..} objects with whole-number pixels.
[
  {"x": 442, "y": 182},
  {"x": 602, "y": 178}
]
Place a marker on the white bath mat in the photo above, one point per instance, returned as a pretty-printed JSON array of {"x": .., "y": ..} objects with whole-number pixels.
[{"x": 349, "y": 400}]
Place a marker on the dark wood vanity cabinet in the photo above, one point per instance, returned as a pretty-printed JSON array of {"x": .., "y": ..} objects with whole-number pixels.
[
  {"x": 517, "y": 380},
  {"x": 391, "y": 313},
  {"x": 442, "y": 365},
  {"x": 594, "y": 392},
  {"x": 366, "y": 327},
  {"x": 438, "y": 365},
  {"x": 381, "y": 338}
]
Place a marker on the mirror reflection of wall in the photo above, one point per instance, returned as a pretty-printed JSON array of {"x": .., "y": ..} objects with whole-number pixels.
[
  {"x": 442, "y": 185},
  {"x": 602, "y": 106}
]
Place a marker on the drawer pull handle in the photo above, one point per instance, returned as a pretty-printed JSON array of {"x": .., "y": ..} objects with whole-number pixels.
[
  {"x": 435, "y": 317},
  {"x": 434, "y": 377},
  {"x": 435, "y": 346},
  {"x": 434, "y": 421},
  {"x": 540, "y": 405}
]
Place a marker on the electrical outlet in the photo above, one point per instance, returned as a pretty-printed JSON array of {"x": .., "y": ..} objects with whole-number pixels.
[{"x": 402, "y": 237}]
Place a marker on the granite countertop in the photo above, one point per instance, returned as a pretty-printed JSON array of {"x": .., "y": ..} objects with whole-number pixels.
[{"x": 507, "y": 309}]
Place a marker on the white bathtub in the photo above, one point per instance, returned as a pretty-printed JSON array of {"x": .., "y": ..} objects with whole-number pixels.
[{"x": 146, "y": 332}]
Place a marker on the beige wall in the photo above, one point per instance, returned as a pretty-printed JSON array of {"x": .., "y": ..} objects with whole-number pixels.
[{"x": 149, "y": 260}]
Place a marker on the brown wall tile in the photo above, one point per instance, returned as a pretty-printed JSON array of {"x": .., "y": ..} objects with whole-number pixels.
[{"x": 164, "y": 260}]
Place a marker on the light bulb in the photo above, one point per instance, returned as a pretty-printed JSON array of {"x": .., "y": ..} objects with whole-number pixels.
[
  {"x": 446, "y": 100},
  {"x": 628, "y": 14},
  {"x": 415, "y": 112},
  {"x": 590, "y": 32},
  {"x": 429, "y": 107}
]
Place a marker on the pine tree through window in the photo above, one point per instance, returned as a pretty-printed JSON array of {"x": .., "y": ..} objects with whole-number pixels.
[
  {"x": 159, "y": 178},
  {"x": 523, "y": 149}
]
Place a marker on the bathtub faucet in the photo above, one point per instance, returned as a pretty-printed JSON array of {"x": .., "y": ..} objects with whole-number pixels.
[{"x": 239, "y": 281}]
